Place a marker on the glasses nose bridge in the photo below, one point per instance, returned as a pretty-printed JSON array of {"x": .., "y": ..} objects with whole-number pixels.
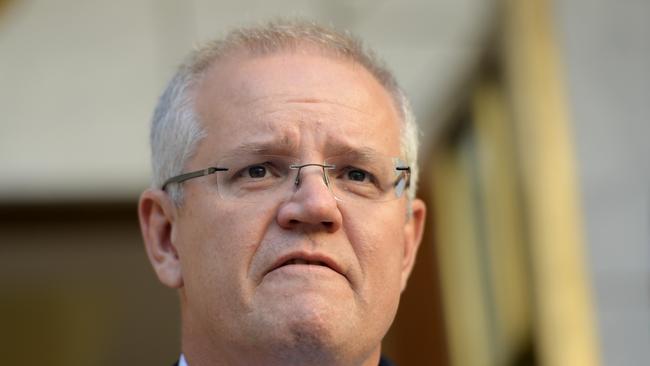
[{"x": 323, "y": 170}]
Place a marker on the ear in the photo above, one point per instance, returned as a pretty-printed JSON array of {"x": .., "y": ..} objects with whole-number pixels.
[
  {"x": 157, "y": 213},
  {"x": 413, "y": 230}
]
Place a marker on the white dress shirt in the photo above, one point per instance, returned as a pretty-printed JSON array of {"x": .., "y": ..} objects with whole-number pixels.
[{"x": 182, "y": 362}]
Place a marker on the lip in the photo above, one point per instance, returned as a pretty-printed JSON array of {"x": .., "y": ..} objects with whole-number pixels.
[{"x": 323, "y": 259}]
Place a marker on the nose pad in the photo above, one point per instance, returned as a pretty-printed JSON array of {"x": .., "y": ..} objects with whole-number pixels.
[{"x": 324, "y": 175}]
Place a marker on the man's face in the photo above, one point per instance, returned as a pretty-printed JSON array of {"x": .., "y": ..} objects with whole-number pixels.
[{"x": 234, "y": 288}]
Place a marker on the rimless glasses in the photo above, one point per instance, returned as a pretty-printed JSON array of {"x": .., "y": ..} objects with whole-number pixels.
[{"x": 350, "y": 177}]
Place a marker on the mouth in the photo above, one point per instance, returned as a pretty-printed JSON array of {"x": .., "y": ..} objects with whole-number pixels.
[
  {"x": 307, "y": 259},
  {"x": 303, "y": 261}
]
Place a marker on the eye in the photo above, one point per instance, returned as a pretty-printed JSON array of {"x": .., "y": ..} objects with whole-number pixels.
[
  {"x": 256, "y": 171},
  {"x": 357, "y": 175}
]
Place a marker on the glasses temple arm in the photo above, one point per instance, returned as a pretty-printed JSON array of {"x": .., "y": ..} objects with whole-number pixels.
[
  {"x": 198, "y": 173},
  {"x": 405, "y": 170}
]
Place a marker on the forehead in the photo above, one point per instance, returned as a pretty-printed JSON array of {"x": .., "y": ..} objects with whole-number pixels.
[{"x": 297, "y": 98}]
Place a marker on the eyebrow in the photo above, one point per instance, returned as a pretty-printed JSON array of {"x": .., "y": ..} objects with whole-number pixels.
[
  {"x": 283, "y": 147},
  {"x": 361, "y": 153},
  {"x": 270, "y": 147}
]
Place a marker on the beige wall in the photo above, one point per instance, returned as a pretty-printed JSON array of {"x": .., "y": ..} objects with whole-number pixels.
[{"x": 80, "y": 78}]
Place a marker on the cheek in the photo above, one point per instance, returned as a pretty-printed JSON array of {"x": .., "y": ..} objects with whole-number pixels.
[
  {"x": 213, "y": 262},
  {"x": 378, "y": 247},
  {"x": 218, "y": 244},
  {"x": 378, "y": 242}
]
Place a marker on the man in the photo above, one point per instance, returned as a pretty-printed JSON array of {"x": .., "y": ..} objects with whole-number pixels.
[{"x": 282, "y": 206}]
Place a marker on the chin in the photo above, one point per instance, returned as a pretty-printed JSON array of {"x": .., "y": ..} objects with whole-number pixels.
[
  {"x": 311, "y": 319},
  {"x": 311, "y": 327},
  {"x": 321, "y": 340},
  {"x": 311, "y": 342}
]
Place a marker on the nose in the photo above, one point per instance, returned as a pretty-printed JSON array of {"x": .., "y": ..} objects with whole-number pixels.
[{"x": 312, "y": 205}]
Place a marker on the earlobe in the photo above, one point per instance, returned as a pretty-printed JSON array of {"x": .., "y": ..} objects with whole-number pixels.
[
  {"x": 157, "y": 213},
  {"x": 413, "y": 231}
]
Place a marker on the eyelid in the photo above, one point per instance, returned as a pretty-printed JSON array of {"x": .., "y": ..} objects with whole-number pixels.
[
  {"x": 274, "y": 167},
  {"x": 348, "y": 168}
]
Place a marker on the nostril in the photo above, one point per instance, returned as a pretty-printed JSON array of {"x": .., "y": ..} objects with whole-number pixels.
[{"x": 327, "y": 224}]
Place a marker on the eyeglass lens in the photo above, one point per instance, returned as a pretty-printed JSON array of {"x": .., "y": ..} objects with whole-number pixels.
[{"x": 255, "y": 178}]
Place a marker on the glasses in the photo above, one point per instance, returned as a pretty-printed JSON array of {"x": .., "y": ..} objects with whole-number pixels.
[{"x": 349, "y": 177}]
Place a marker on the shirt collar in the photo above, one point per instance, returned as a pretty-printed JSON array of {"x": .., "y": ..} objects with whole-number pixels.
[{"x": 182, "y": 362}]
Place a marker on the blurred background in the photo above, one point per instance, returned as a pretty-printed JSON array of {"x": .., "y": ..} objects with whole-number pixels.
[{"x": 535, "y": 167}]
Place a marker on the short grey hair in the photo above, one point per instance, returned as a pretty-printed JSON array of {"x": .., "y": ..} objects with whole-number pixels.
[{"x": 176, "y": 129}]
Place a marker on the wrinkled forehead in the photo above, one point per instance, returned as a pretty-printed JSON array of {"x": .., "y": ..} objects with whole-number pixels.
[{"x": 295, "y": 95}]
